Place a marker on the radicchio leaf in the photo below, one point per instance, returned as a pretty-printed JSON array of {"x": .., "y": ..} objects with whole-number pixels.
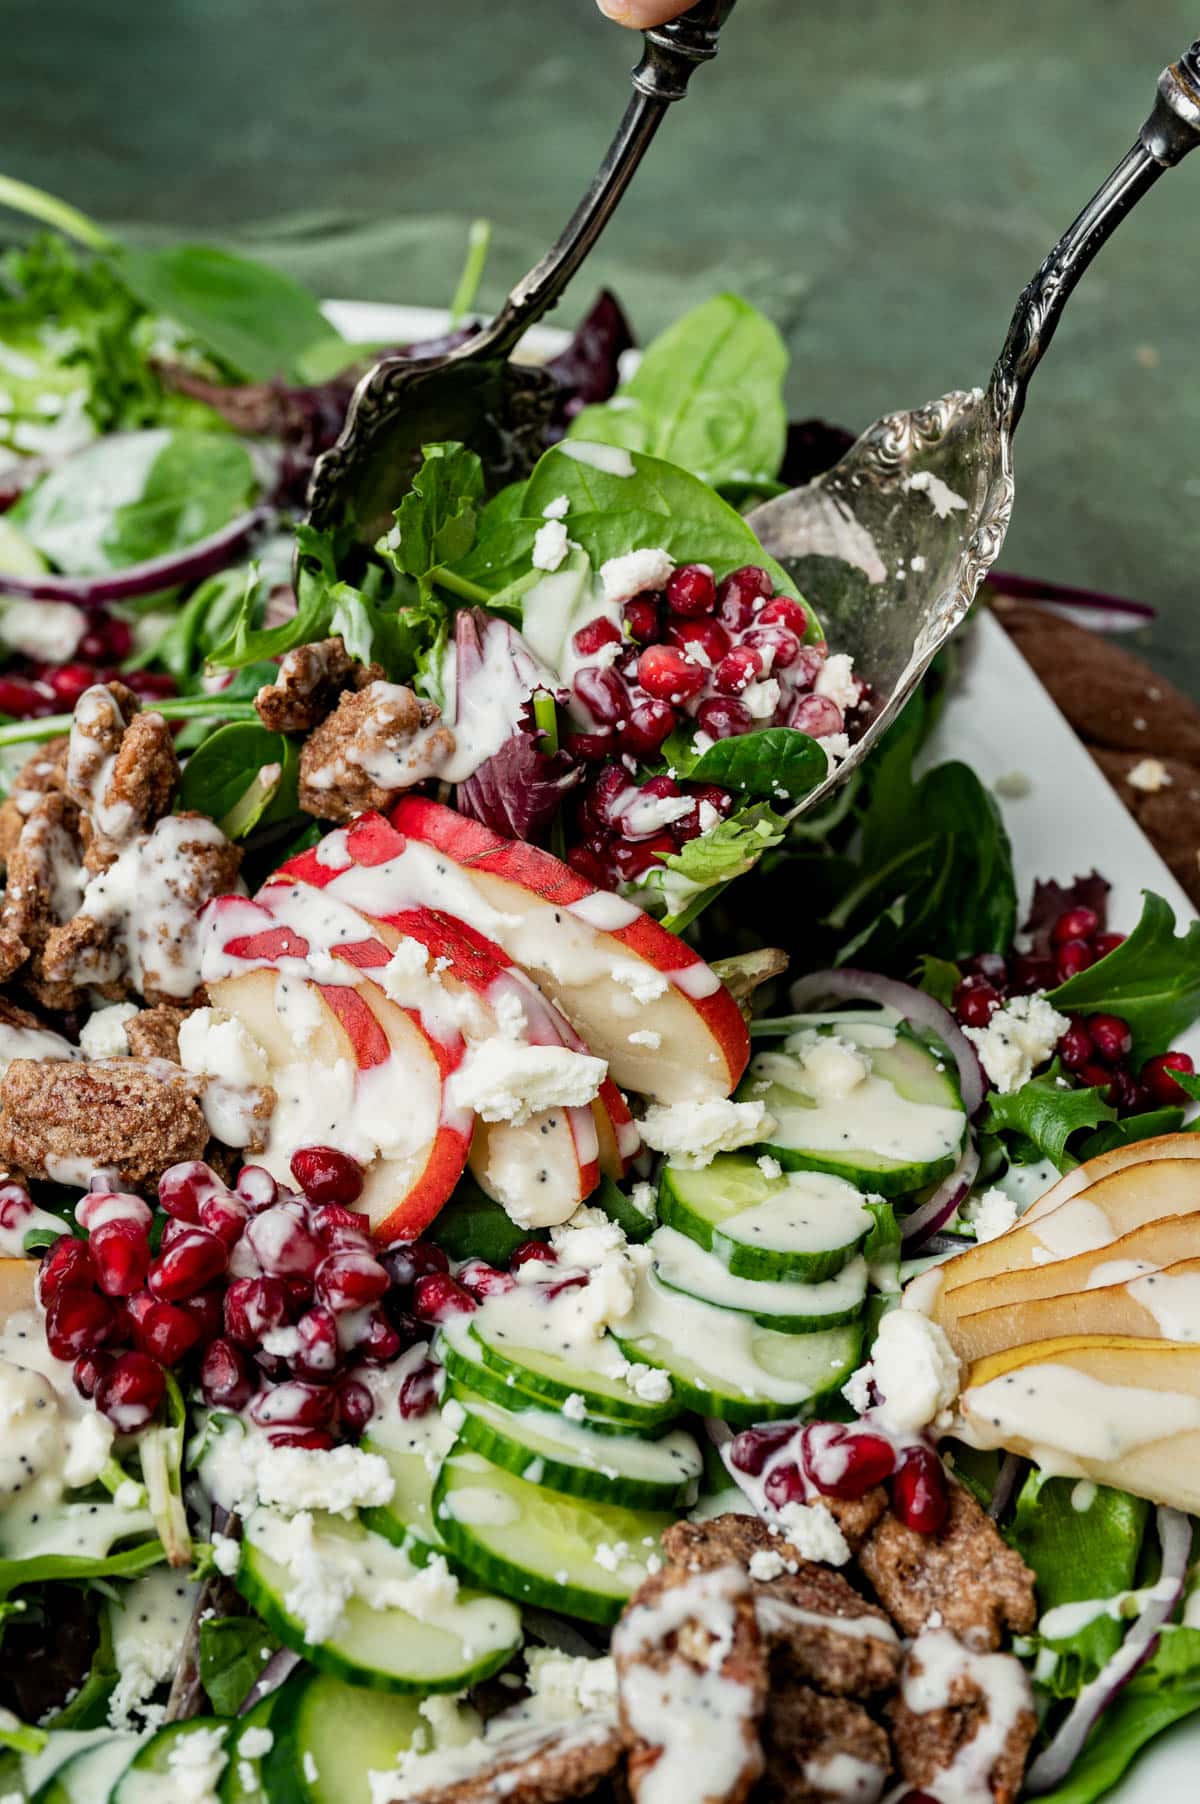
[{"x": 589, "y": 369}]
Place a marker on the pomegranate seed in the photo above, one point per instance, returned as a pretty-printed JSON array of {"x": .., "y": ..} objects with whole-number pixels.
[
  {"x": 752, "y": 1448},
  {"x": 665, "y": 673},
  {"x": 817, "y": 716},
  {"x": 975, "y": 1002},
  {"x": 23, "y": 700},
  {"x": 313, "y": 1440},
  {"x": 990, "y": 965},
  {"x": 130, "y": 1392},
  {"x": 117, "y": 638},
  {"x": 1030, "y": 973},
  {"x": 185, "y": 1187},
  {"x": 632, "y": 858},
  {"x": 737, "y": 670},
  {"x": 188, "y": 1264},
  {"x": 1072, "y": 957},
  {"x": 224, "y": 1377},
  {"x": 153, "y": 683},
  {"x": 1111, "y": 1037},
  {"x": 122, "y": 1257},
  {"x": 589, "y": 866},
  {"x": 350, "y": 1280},
  {"x": 691, "y": 591},
  {"x": 419, "y": 1391},
  {"x": 16, "y": 1206},
  {"x": 529, "y": 1252},
  {"x": 807, "y": 668},
  {"x": 166, "y": 1332},
  {"x": 641, "y": 617},
  {"x": 205, "y": 1309},
  {"x": 89, "y": 1370},
  {"x": 355, "y": 1406},
  {"x": 282, "y": 1243},
  {"x": 607, "y": 795},
  {"x": 1107, "y": 942},
  {"x": 919, "y": 1494},
  {"x": 722, "y": 717},
  {"x": 1125, "y": 1094},
  {"x": 1075, "y": 924},
  {"x": 253, "y": 1306},
  {"x": 591, "y": 748},
  {"x": 593, "y": 637},
  {"x": 100, "y": 1208},
  {"x": 341, "y": 1227},
  {"x": 69, "y": 681},
  {"x": 1094, "y": 1076},
  {"x": 714, "y": 795},
  {"x": 1156, "y": 1075},
  {"x": 779, "y": 648},
  {"x": 781, "y": 610},
  {"x": 437, "y": 1297},
  {"x": 483, "y": 1280},
  {"x": 224, "y": 1216},
  {"x": 842, "y": 1464},
  {"x": 67, "y": 1266},
  {"x": 294, "y": 1404},
  {"x": 557, "y": 1287},
  {"x": 603, "y": 694},
  {"x": 320, "y": 1350},
  {"x": 407, "y": 1260},
  {"x": 785, "y": 1484},
  {"x": 649, "y": 724},
  {"x": 704, "y": 640},
  {"x": 739, "y": 593},
  {"x": 256, "y": 1187},
  {"x": 78, "y": 1321},
  {"x": 1075, "y": 1048},
  {"x": 327, "y": 1176},
  {"x": 383, "y": 1340}
]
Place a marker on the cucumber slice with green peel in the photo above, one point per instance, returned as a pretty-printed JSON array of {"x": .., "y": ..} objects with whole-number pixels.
[
  {"x": 459, "y": 1641},
  {"x": 792, "y": 1308},
  {"x": 800, "y": 1226},
  {"x": 406, "y": 1519},
  {"x": 723, "y": 1364},
  {"x": 565, "y": 1456},
  {"x": 590, "y": 1371},
  {"x": 159, "y": 1764},
  {"x": 566, "y": 1554},
  {"x": 330, "y": 1737},
  {"x": 467, "y": 1369},
  {"x": 897, "y": 1126},
  {"x": 90, "y": 1774},
  {"x": 244, "y": 1781}
]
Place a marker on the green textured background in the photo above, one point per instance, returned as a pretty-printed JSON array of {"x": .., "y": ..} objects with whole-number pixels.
[{"x": 882, "y": 178}]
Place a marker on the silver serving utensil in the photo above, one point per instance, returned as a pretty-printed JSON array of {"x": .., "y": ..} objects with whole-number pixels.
[
  {"x": 891, "y": 545},
  {"x": 473, "y": 392}
]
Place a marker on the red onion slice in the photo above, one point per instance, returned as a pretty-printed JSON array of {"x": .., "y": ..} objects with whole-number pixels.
[
  {"x": 1009, "y": 1480},
  {"x": 1055, "y": 1761},
  {"x": 913, "y": 1004},
  {"x": 170, "y": 571},
  {"x": 280, "y": 1666},
  {"x": 915, "y": 1229}
]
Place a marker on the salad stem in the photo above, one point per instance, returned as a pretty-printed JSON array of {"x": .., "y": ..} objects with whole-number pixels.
[
  {"x": 545, "y": 713},
  {"x": 458, "y": 585},
  {"x": 479, "y": 240},
  {"x": 23, "y": 197},
  {"x": 180, "y": 707}
]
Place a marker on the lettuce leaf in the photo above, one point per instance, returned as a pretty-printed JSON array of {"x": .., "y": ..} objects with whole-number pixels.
[
  {"x": 1044, "y": 1113},
  {"x": 1151, "y": 980}
]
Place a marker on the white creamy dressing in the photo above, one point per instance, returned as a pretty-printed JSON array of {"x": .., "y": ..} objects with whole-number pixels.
[
  {"x": 1173, "y": 1299},
  {"x": 554, "y": 609},
  {"x": 1066, "y": 1620},
  {"x": 195, "y": 1764},
  {"x": 936, "y": 1661},
  {"x": 484, "y": 709},
  {"x": 840, "y": 1099},
  {"x": 845, "y": 1776},
  {"x": 723, "y": 1345},
  {"x": 32, "y": 1043},
  {"x": 610, "y": 460},
  {"x": 1076, "y": 1226},
  {"x": 1117, "y": 1271},
  {"x": 89, "y": 770},
  {"x": 387, "y": 752},
  {"x": 776, "y": 1615},
  {"x": 1057, "y": 1410},
  {"x": 149, "y": 1619},
  {"x": 674, "y": 1457},
  {"x": 806, "y": 1212},
  {"x": 683, "y": 1265}
]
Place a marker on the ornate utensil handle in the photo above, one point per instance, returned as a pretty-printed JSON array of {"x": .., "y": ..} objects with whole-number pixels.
[
  {"x": 1172, "y": 129},
  {"x": 671, "y": 54}
]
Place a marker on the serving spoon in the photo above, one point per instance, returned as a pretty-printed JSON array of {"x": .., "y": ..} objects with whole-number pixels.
[
  {"x": 891, "y": 545},
  {"x": 473, "y": 393}
]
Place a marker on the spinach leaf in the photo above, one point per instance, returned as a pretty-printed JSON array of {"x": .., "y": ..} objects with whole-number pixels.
[
  {"x": 203, "y": 621},
  {"x": 233, "y": 1652},
  {"x": 1126, "y": 1725},
  {"x": 1046, "y": 1111},
  {"x": 255, "y": 320},
  {"x": 139, "y": 495},
  {"x": 1124, "y": 1133},
  {"x": 43, "y": 1567},
  {"x": 779, "y": 762},
  {"x": 1151, "y": 980},
  {"x": 707, "y": 394},
  {"x": 437, "y": 520},
  {"x": 242, "y": 777},
  {"x": 939, "y": 978}
]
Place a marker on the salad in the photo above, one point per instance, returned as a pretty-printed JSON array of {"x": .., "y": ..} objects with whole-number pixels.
[{"x": 532, "y": 1266}]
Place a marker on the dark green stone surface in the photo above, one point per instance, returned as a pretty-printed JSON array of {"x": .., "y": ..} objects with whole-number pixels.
[{"x": 883, "y": 178}]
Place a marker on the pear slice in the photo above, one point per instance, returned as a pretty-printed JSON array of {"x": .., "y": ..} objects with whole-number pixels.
[
  {"x": 1120, "y": 1411},
  {"x": 1152, "y": 1303},
  {"x": 1141, "y": 1152},
  {"x": 18, "y": 1278}
]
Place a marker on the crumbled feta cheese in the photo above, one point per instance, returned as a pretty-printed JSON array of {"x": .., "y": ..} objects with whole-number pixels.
[
  {"x": 770, "y": 1168},
  {"x": 103, "y": 1035},
  {"x": 837, "y": 681},
  {"x": 646, "y": 1036},
  {"x": 624, "y": 576},
  {"x": 709, "y": 817},
  {"x": 650, "y": 1383},
  {"x": 761, "y": 698},
  {"x": 562, "y": 1685},
  {"x": 915, "y": 1369},
  {"x": 195, "y": 1763},
  {"x": 766, "y": 1565},
  {"x": 650, "y": 814},
  {"x": 1018, "y": 1038},
  {"x": 549, "y": 545},
  {"x": 214, "y": 1044},
  {"x": 830, "y": 1068},
  {"x": 858, "y": 1389},
  {"x": 500, "y": 1080},
  {"x": 340, "y": 1480},
  {"x": 575, "y": 1409},
  {"x": 558, "y": 509},
  {"x": 46, "y": 631},
  {"x": 643, "y": 982},
  {"x": 991, "y": 1214},
  {"x": 644, "y": 1198},
  {"x": 255, "y": 1743},
  {"x": 814, "y": 1534},
  {"x": 695, "y": 1132},
  {"x": 129, "y": 1495},
  {"x": 1149, "y": 775},
  {"x": 916, "y": 562},
  {"x": 226, "y": 1553},
  {"x": 836, "y": 747}
]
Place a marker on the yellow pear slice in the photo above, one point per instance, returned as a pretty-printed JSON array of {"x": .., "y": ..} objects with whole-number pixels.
[
  {"x": 1163, "y": 1146},
  {"x": 1122, "y": 1412},
  {"x": 17, "y": 1280},
  {"x": 1150, "y": 1303}
]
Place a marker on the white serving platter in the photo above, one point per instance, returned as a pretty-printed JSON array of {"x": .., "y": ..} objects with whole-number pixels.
[{"x": 1069, "y": 821}]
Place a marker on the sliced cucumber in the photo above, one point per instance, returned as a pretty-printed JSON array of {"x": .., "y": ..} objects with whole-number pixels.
[
  {"x": 406, "y": 1519},
  {"x": 634, "y": 1223},
  {"x": 898, "y": 1129},
  {"x": 592, "y": 1371},
  {"x": 732, "y": 1368},
  {"x": 565, "y": 1456},
  {"x": 563, "y": 1553},
  {"x": 803, "y": 1226},
  {"x": 157, "y": 1767},
  {"x": 244, "y": 1781},
  {"x": 466, "y": 1367},
  {"x": 786, "y": 1305},
  {"x": 90, "y": 1774},
  {"x": 460, "y": 1641},
  {"x": 330, "y": 1737}
]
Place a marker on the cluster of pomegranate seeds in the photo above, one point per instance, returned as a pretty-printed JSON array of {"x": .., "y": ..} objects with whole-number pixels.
[
  {"x": 729, "y": 658},
  {"x": 30, "y": 690},
  {"x": 1095, "y": 1048},
  {"x": 844, "y": 1460}
]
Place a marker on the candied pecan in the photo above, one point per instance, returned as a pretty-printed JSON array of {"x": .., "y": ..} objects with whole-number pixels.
[
  {"x": 153, "y": 1033},
  {"x": 45, "y": 884},
  {"x": 46, "y": 770},
  {"x": 966, "y": 1575},
  {"x": 965, "y": 1714},
  {"x": 820, "y": 1750},
  {"x": 62, "y": 1121},
  {"x": 857, "y": 1516},
  {"x": 121, "y": 766},
  {"x": 378, "y": 741},
  {"x": 310, "y": 680},
  {"x": 691, "y": 1637},
  {"x": 535, "y": 1766},
  {"x": 13, "y": 952}
]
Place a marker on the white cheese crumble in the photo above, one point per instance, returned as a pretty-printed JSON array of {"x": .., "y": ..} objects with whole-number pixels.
[
  {"x": 340, "y": 1480},
  {"x": 830, "y": 1068},
  {"x": 766, "y": 1565},
  {"x": 991, "y": 1214},
  {"x": 215, "y": 1044},
  {"x": 646, "y": 1036},
  {"x": 814, "y": 1534},
  {"x": 761, "y": 698},
  {"x": 915, "y": 1369},
  {"x": 226, "y": 1553},
  {"x": 770, "y": 1168},
  {"x": 549, "y": 545},
  {"x": 558, "y": 509},
  {"x": 103, "y": 1035},
  {"x": 1149, "y": 775},
  {"x": 695, "y": 1132},
  {"x": 1018, "y": 1038},
  {"x": 500, "y": 1080},
  {"x": 47, "y": 631},
  {"x": 255, "y": 1744},
  {"x": 622, "y": 577},
  {"x": 836, "y": 680}
]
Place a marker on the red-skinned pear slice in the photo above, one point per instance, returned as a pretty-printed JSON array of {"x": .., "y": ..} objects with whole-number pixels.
[
  {"x": 620, "y": 1141},
  {"x": 540, "y": 1168},
  {"x": 640, "y": 998},
  {"x": 1142, "y": 1152},
  {"x": 350, "y": 1066},
  {"x": 17, "y": 1280}
]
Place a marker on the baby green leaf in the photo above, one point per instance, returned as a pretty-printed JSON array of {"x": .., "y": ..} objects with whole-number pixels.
[{"x": 1151, "y": 980}]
